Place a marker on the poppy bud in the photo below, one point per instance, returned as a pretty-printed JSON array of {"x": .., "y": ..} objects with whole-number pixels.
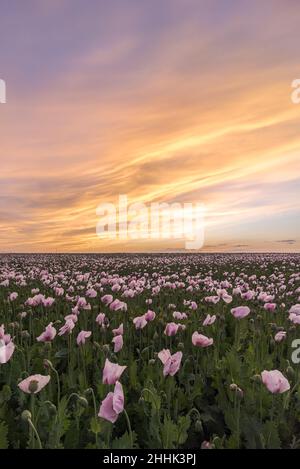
[
  {"x": 47, "y": 364},
  {"x": 151, "y": 361},
  {"x": 290, "y": 372},
  {"x": 26, "y": 415},
  {"x": 256, "y": 379},
  {"x": 52, "y": 409},
  {"x": 198, "y": 426},
  {"x": 83, "y": 402},
  {"x": 181, "y": 346},
  {"x": 6, "y": 393}
]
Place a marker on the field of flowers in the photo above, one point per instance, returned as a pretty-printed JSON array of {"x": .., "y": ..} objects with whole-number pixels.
[{"x": 149, "y": 351}]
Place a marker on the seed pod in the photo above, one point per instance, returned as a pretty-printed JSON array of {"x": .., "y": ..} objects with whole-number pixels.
[{"x": 33, "y": 386}]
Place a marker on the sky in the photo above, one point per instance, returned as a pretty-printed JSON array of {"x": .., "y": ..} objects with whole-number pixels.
[{"x": 184, "y": 101}]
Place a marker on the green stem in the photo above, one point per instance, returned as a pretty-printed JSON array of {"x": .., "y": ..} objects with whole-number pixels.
[
  {"x": 32, "y": 427},
  {"x": 129, "y": 428}
]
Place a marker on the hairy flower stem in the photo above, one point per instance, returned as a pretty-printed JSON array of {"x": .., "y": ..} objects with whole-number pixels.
[
  {"x": 129, "y": 429},
  {"x": 34, "y": 431}
]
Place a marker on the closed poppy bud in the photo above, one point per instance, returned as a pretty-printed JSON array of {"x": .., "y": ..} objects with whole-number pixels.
[
  {"x": 83, "y": 402},
  {"x": 25, "y": 334},
  {"x": 181, "y": 346},
  {"x": 6, "y": 393},
  {"x": 151, "y": 361},
  {"x": 26, "y": 415},
  {"x": 272, "y": 344},
  {"x": 52, "y": 409},
  {"x": 256, "y": 379},
  {"x": 290, "y": 372},
  {"x": 47, "y": 364},
  {"x": 105, "y": 348},
  {"x": 233, "y": 387},
  {"x": 198, "y": 426},
  {"x": 155, "y": 335}
]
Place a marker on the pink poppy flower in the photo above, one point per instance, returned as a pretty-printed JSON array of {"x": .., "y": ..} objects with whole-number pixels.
[
  {"x": 270, "y": 306},
  {"x": 48, "y": 302},
  {"x": 294, "y": 318},
  {"x": 240, "y": 312},
  {"x": 295, "y": 309},
  {"x": 107, "y": 299},
  {"x": 275, "y": 382},
  {"x": 100, "y": 319},
  {"x": 171, "y": 329},
  {"x": 118, "y": 342},
  {"x": 112, "y": 372},
  {"x": 150, "y": 315},
  {"x": 171, "y": 362},
  {"x": 113, "y": 404},
  {"x": 118, "y": 305},
  {"x": 280, "y": 336},
  {"x": 48, "y": 335},
  {"x": 13, "y": 296},
  {"x": 140, "y": 322},
  {"x": 209, "y": 320},
  {"x": 91, "y": 293},
  {"x": 6, "y": 351},
  {"x": 67, "y": 327},
  {"x": 119, "y": 331},
  {"x": 82, "y": 336},
  {"x": 34, "y": 384},
  {"x": 200, "y": 340},
  {"x": 71, "y": 317}
]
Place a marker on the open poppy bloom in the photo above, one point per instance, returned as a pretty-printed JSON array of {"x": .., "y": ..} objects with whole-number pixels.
[
  {"x": 275, "y": 382},
  {"x": 112, "y": 372},
  {"x": 82, "y": 336},
  {"x": 48, "y": 335},
  {"x": 6, "y": 351},
  {"x": 171, "y": 362},
  {"x": 113, "y": 404},
  {"x": 34, "y": 384},
  {"x": 200, "y": 340}
]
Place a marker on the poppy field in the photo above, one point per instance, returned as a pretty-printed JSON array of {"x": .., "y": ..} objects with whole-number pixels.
[{"x": 154, "y": 351}]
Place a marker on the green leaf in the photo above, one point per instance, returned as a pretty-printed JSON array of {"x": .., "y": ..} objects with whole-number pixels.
[
  {"x": 169, "y": 433},
  {"x": 124, "y": 441}
]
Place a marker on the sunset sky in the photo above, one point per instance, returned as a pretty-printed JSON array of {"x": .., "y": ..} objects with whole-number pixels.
[{"x": 162, "y": 100}]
